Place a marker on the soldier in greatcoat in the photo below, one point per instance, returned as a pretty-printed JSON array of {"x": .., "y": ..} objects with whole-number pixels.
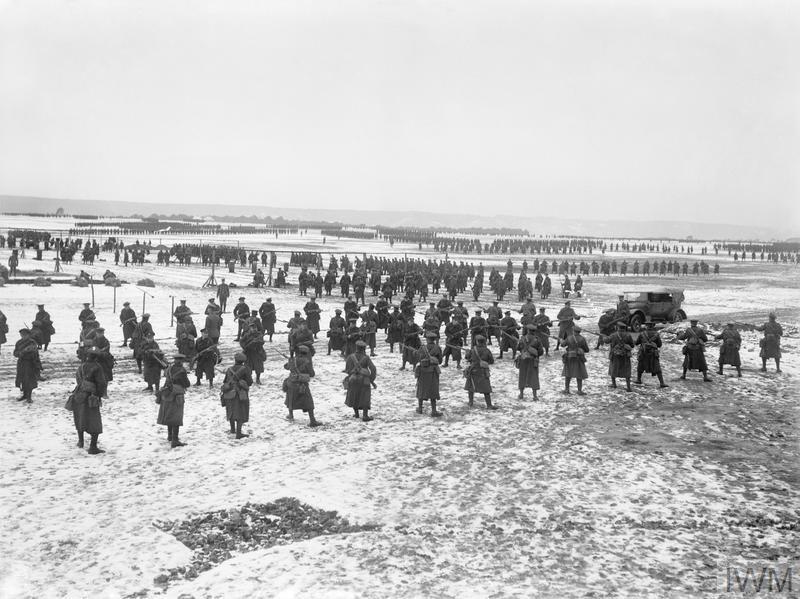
[
  {"x": 411, "y": 342},
  {"x": 477, "y": 373},
  {"x": 236, "y": 394},
  {"x": 252, "y": 342},
  {"x": 296, "y": 385},
  {"x": 269, "y": 317},
  {"x": 729, "y": 350},
  {"x": 86, "y": 400},
  {"x": 394, "y": 329},
  {"x": 694, "y": 349},
  {"x": 509, "y": 335},
  {"x": 206, "y": 357},
  {"x": 648, "y": 357},
  {"x": 29, "y": 366},
  {"x": 45, "y": 326},
  {"x": 619, "y": 356},
  {"x": 771, "y": 343},
  {"x": 241, "y": 312},
  {"x": 152, "y": 361},
  {"x": 171, "y": 399},
  {"x": 127, "y": 318},
  {"x": 454, "y": 340},
  {"x": 574, "y": 359},
  {"x": 360, "y": 381},
  {"x": 336, "y": 332},
  {"x": 530, "y": 350},
  {"x": 312, "y": 311},
  {"x": 543, "y": 324},
  {"x": 427, "y": 374}
]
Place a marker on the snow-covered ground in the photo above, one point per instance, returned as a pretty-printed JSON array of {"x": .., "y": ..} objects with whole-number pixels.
[{"x": 653, "y": 493}]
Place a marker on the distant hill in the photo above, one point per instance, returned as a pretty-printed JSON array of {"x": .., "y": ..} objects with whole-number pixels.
[{"x": 537, "y": 226}]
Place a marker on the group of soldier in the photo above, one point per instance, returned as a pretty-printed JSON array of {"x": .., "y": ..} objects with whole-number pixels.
[{"x": 351, "y": 331}]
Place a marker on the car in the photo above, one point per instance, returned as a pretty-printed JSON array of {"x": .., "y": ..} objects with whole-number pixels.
[{"x": 661, "y": 304}]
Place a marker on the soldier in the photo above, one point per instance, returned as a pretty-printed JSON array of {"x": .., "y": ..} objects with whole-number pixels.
[
  {"x": 214, "y": 326},
  {"x": 477, "y": 373},
  {"x": 606, "y": 325},
  {"x": 300, "y": 337},
  {"x": 352, "y": 334},
  {"x": 509, "y": 335},
  {"x": 268, "y": 317},
  {"x": 382, "y": 310},
  {"x": 181, "y": 311},
  {"x": 223, "y": 293},
  {"x": 254, "y": 321},
  {"x": 543, "y": 324},
  {"x": 432, "y": 312},
  {"x": 206, "y": 357},
  {"x": 127, "y": 319},
  {"x": 427, "y": 374},
  {"x": 85, "y": 401},
  {"x": 566, "y": 317},
  {"x": 350, "y": 308},
  {"x": 235, "y": 396},
  {"x": 171, "y": 399},
  {"x": 344, "y": 284},
  {"x": 140, "y": 333},
  {"x": 252, "y": 342},
  {"x": 3, "y": 329},
  {"x": 240, "y": 312},
  {"x": 87, "y": 313},
  {"x": 185, "y": 335},
  {"x": 432, "y": 324},
  {"x": 445, "y": 307},
  {"x": 694, "y": 350},
  {"x": 771, "y": 343},
  {"x": 29, "y": 366},
  {"x": 530, "y": 349},
  {"x": 460, "y": 312},
  {"x": 212, "y": 307},
  {"x": 493, "y": 316},
  {"x": 102, "y": 347},
  {"x": 153, "y": 361},
  {"x": 45, "y": 326},
  {"x": 619, "y": 356},
  {"x": 360, "y": 381},
  {"x": 312, "y": 311},
  {"x": 528, "y": 308},
  {"x": 547, "y": 287},
  {"x": 394, "y": 329},
  {"x": 648, "y": 359},
  {"x": 411, "y": 342},
  {"x": 622, "y": 313},
  {"x": 454, "y": 341},
  {"x": 477, "y": 325},
  {"x": 574, "y": 359},
  {"x": 729, "y": 350},
  {"x": 296, "y": 385},
  {"x": 368, "y": 333},
  {"x": 336, "y": 335}
]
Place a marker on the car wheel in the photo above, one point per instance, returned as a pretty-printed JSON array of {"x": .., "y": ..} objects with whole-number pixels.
[
  {"x": 678, "y": 316},
  {"x": 636, "y": 322}
]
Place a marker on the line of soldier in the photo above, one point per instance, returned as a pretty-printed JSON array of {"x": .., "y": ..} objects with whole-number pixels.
[{"x": 202, "y": 352}]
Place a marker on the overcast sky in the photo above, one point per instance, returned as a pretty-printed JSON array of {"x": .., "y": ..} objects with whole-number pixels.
[{"x": 638, "y": 109}]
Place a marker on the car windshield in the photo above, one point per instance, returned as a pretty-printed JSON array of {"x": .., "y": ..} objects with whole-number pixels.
[{"x": 660, "y": 297}]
